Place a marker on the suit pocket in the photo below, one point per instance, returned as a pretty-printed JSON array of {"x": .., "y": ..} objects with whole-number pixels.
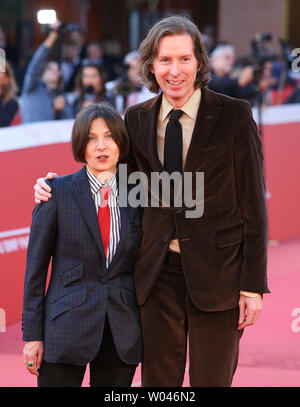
[
  {"x": 72, "y": 274},
  {"x": 213, "y": 152},
  {"x": 68, "y": 302},
  {"x": 230, "y": 237}
]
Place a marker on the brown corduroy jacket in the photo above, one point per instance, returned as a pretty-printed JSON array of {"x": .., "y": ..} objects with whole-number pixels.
[{"x": 225, "y": 250}]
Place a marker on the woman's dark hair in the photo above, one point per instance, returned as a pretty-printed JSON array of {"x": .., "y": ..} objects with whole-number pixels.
[
  {"x": 78, "y": 81},
  {"x": 81, "y": 129},
  {"x": 174, "y": 25}
]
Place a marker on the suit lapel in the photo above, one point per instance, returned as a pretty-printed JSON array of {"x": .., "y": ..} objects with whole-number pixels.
[
  {"x": 82, "y": 194},
  {"x": 209, "y": 110},
  {"x": 124, "y": 228},
  {"x": 127, "y": 213},
  {"x": 148, "y": 127}
]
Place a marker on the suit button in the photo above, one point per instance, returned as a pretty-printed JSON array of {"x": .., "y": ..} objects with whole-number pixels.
[
  {"x": 166, "y": 238},
  {"x": 103, "y": 280}
]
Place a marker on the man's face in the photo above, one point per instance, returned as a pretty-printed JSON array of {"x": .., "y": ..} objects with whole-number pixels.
[
  {"x": 223, "y": 63},
  {"x": 133, "y": 70},
  {"x": 94, "y": 52},
  {"x": 175, "y": 68}
]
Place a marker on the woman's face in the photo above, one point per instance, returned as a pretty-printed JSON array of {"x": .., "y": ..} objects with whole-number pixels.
[
  {"x": 102, "y": 152},
  {"x": 91, "y": 77},
  {"x": 4, "y": 79}
]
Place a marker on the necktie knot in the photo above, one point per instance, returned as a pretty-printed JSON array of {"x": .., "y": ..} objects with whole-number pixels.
[
  {"x": 104, "y": 192},
  {"x": 176, "y": 114}
]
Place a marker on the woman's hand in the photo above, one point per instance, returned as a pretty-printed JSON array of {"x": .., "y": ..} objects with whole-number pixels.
[{"x": 33, "y": 354}]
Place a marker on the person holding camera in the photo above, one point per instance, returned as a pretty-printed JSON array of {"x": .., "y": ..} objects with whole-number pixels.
[
  {"x": 90, "y": 87},
  {"x": 128, "y": 89},
  {"x": 42, "y": 95},
  {"x": 222, "y": 78}
]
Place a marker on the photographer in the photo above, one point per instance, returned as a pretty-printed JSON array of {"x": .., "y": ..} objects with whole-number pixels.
[
  {"x": 222, "y": 62},
  {"x": 90, "y": 87},
  {"x": 128, "y": 89},
  {"x": 42, "y": 97},
  {"x": 294, "y": 97}
]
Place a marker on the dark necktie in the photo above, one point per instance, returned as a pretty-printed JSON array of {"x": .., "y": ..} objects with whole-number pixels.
[
  {"x": 173, "y": 143},
  {"x": 104, "y": 217},
  {"x": 173, "y": 149}
]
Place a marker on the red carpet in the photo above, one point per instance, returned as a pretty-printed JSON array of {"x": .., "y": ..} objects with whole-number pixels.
[{"x": 270, "y": 350}]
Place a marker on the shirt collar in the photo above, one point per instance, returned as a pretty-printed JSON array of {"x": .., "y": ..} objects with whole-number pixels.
[
  {"x": 96, "y": 184},
  {"x": 190, "y": 107}
]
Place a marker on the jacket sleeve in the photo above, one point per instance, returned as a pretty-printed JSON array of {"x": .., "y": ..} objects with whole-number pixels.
[
  {"x": 251, "y": 190},
  {"x": 35, "y": 69},
  {"x": 40, "y": 249}
]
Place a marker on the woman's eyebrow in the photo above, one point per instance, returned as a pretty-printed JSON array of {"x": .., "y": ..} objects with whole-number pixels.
[{"x": 96, "y": 134}]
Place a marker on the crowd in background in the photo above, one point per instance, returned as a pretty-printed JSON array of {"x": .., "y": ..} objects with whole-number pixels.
[{"x": 54, "y": 89}]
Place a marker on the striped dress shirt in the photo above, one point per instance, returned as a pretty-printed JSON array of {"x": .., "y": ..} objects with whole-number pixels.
[{"x": 113, "y": 203}]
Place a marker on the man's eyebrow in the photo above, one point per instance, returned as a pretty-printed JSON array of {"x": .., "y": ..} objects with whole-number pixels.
[{"x": 170, "y": 55}]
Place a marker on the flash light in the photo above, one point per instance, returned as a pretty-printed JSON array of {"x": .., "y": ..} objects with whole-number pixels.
[{"x": 46, "y": 16}]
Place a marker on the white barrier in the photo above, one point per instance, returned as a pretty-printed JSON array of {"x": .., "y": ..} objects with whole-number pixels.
[
  {"x": 53, "y": 132},
  {"x": 35, "y": 134}
]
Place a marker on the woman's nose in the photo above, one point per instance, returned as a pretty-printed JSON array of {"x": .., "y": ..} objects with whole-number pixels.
[{"x": 101, "y": 145}]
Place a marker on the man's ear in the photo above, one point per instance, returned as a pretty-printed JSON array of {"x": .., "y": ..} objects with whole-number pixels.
[{"x": 151, "y": 69}]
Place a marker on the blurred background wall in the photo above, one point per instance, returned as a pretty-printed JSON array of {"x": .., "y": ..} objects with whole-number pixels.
[{"x": 121, "y": 25}]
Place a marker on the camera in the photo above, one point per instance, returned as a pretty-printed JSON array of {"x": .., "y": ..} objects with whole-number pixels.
[{"x": 48, "y": 17}]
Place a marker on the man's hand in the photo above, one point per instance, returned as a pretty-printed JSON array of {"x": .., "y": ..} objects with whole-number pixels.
[
  {"x": 246, "y": 76},
  {"x": 250, "y": 309},
  {"x": 33, "y": 353},
  {"x": 59, "y": 103},
  {"x": 42, "y": 190}
]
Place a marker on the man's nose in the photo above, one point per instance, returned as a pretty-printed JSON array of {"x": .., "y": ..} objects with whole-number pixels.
[{"x": 175, "y": 68}]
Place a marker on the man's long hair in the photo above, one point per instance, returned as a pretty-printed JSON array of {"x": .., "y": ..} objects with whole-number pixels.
[{"x": 174, "y": 25}]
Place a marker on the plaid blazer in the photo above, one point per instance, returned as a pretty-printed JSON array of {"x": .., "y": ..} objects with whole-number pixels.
[{"x": 70, "y": 317}]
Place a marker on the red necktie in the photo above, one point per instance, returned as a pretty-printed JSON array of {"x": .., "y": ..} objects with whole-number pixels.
[{"x": 104, "y": 217}]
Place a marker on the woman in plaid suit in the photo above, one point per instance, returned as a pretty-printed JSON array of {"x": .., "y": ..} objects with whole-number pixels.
[{"x": 89, "y": 313}]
